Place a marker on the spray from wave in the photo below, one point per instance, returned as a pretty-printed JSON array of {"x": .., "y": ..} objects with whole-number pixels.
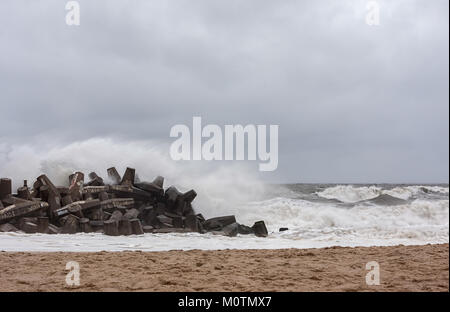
[{"x": 220, "y": 187}]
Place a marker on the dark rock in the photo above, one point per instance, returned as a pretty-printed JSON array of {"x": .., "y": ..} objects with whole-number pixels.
[
  {"x": 113, "y": 175},
  {"x": 177, "y": 222},
  {"x": 5, "y": 187},
  {"x": 191, "y": 223},
  {"x": 260, "y": 229},
  {"x": 85, "y": 227},
  {"x": 173, "y": 198},
  {"x": 178, "y": 202},
  {"x": 63, "y": 190},
  {"x": 29, "y": 227},
  {"x": 243, "y": 229},
  {"x": 159, "y": 181},
  {"x": 96, "y": 225},
  {"x": 150, "y": 187},
  {"x": 106, "y": 215},
  {"x": 23, "y": 220},
  {"x": 43, "y": 192},
  {"x": 218, "y": 223},
  {"x": 103, "y": 196},
  {"x": 283, "y": 229},
  {"x": 150, "y": 218},
  {"x": 116, "y": 203},
  {"x": 54, "y": 203},
  {"x": 131, "y": 214},
  {"x": 95, "y": 180},
  {"x": 170, "y": 230},
  {"x": 128, "y": 176},
  {"x": 200, "y": 217},
  {"x": 78, "y": 207},
  {"x": 116, "y": 216},
  {"x": 76, "y": 177},
  {"x": 94, "y": 191},
  {"x": 88, "y": 196},
  {"x": 71, "y": 225},
  {"x": 36, "y": 185},
  {"x": 21, "y": 209},
  {"x": 12, "y": 200},
  {"x": 42, "y": 225},
  {"x": 189, "y": 196},
  {"x": 95, "y": 214},
  {"x": 76, "y": 181},
  {"x": 147, "y": 209},
  {"x": 24, "y": 193},
  {"x": 125, "y": 227},
  {"x": 164, "y": 219},
  {"x": 231, "y": 229},
  {"x": 44, "y": 180},
  {"x": 161, "y": 208},
  {"x": 7, "y": 227},
  {"x": 148, "y": 228},
  {"x": 136, "y": 227},
  {"x": 188, "y": 210},
  {"x": 53, "y": 229},
  {"x": 110, "y": 227},
  {"x": 54, "y": 197},
  {"x": 163, "y": 225},
  {"x": 128, "y": 191},
  {"x": 170, "y": 215},
  {"x": 143, "y": 211},
  {"x": 66, "y": 200}
]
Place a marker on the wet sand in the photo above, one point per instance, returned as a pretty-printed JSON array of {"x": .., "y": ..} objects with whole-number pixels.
[{"x": 402, "y": 268}]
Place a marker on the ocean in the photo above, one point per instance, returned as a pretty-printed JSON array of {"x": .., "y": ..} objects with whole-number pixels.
[{"x": 316, "y": 215}]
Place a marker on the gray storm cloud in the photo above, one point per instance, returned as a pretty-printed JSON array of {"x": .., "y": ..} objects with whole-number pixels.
[{"x": 354, "y": 103}]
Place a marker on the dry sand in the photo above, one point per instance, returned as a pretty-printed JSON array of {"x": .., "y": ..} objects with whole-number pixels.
[{"x": 402, "y": 268}]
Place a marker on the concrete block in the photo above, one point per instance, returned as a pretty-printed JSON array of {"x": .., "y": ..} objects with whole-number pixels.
[
  {"x": 260, "y": 229},
  {"x": 5, "y": 187},
  {"x": 136, "y": 227},
  {"x": 113, "y": 175}
]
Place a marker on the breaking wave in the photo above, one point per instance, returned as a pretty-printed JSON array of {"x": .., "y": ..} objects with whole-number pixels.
[
  {"x": 311, "y": 225},
  {"x": 352, "y": 194},
  {"x": 295, "y": 213}
]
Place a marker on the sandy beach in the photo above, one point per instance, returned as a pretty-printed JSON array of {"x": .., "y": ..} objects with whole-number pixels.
[{"x": 402, "y": 268}]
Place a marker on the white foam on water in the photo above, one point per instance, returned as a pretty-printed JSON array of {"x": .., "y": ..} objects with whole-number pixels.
[
  {"x": 350, "y": 194},
  {"x": 311, "y": 225},
  {"x": 353, "y": 194},
  {"x": 82, "y": 242}
]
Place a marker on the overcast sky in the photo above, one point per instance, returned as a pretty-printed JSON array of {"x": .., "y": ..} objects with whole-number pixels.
[{"x": 354, "y": 103}]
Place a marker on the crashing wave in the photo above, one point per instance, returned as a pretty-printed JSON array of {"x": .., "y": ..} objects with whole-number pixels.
[{"x": 352, "y": 194}]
